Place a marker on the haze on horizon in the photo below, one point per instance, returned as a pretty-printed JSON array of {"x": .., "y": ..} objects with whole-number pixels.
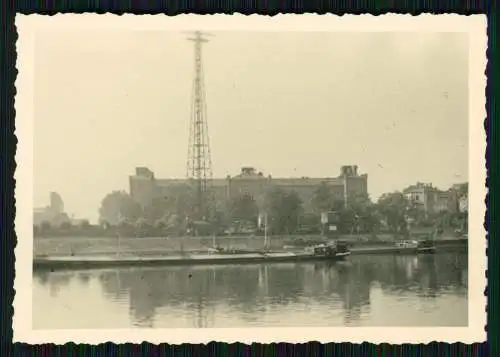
[{"x": 289, "y": 104}]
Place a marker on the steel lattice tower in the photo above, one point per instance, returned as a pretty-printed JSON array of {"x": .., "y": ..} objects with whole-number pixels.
[{"x": 199, "y": 165}]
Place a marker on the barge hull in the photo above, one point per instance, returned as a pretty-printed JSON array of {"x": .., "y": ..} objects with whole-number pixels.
[
  {"x": 73, "y": 262},
  {"x": 107, "y": 262},
  {"x": 406, "y": 251}
]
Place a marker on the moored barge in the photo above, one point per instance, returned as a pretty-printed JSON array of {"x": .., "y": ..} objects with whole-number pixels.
[{"x": 324, "y": 252}]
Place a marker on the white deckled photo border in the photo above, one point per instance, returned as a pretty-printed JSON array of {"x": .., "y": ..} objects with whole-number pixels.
[{"x": 475, "y": 26}]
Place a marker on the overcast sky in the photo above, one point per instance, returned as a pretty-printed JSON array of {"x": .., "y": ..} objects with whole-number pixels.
[{"x": 289, "y": 104}]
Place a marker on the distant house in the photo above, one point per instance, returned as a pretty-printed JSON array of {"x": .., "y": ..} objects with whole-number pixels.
[
  {"x": 422, "y": 195},
  {"x": 433, "y": 200},
  {"x": 463, "y": 204},
  {"x": 462, "y": 191},
  {"x": 53, "y": 214}
]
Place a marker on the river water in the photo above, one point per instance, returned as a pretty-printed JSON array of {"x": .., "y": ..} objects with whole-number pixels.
[{"x": 367, "y": 291}]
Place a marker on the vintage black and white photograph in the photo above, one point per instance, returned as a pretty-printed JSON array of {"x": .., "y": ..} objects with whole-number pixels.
[{"x": 212, "y": 175}]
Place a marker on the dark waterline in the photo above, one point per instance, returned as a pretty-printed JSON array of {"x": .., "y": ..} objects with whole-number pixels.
[{"x": 370, "y": 291}]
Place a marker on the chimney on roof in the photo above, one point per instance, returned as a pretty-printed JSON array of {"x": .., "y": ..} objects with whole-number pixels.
[
  {"x": 143, "y": 172},
  {"x": 349, "y": 170},
  {"x": 247, "y": 170}
]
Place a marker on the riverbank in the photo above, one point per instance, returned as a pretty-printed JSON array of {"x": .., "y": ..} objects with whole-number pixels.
[
  {"x": 149, "y": 245},
  {"x": 170, "y": 245}
]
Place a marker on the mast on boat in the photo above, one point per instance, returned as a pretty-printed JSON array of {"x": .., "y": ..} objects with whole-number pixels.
[
  {"x": 119, "y": 244},
  {"x": 265, "y": 232}
]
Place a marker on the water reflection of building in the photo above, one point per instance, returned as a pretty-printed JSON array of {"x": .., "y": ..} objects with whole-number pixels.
[
  {"x": 248, "y": 291},
  {"x": 249, "y": 288},
  {"x": 54, "y": 282}
]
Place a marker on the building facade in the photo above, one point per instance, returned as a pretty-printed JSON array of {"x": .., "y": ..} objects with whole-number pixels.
[
  {"x": 53, "y": 213},
  {"x": 144, "y": 187},
  {"x": 432, "y": 200},
  {"x": 462, "y": 191}
]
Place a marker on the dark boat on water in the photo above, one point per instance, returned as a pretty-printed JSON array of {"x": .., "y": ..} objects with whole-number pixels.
[
  {"x": 426, "y": 247},
  {"x": 333, "y": 252}
]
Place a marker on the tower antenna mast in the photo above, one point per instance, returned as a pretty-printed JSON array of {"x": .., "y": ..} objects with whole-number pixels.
[{"x": 199, "y": 164}]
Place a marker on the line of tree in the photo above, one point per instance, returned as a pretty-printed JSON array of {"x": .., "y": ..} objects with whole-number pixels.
[{"x": 120, "y": 214}]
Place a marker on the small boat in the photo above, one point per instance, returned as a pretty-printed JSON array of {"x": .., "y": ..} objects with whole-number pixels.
[
  {"x": 228, "y": 251},
  {"x": 337, "y": 250},
  {"x": 407, "y": 244},
  {"x": 426, "y": 247},
  {"x": 419, "y": 247}
]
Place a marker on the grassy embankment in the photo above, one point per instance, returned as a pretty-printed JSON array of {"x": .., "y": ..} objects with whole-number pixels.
[
  {"x": 154, "y": 245},
  {"x": 162, "y": 245}
]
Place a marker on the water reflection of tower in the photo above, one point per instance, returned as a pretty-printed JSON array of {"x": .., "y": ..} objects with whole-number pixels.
[
  {"x": 203, "y": 286},
  {"x": 201, "y": 318},
  {"x": 202, "y": 289},
  {"x": 112, "y": 286}
]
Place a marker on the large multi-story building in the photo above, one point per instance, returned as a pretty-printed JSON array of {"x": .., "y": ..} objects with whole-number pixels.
[{"x": 144, "y": 187}]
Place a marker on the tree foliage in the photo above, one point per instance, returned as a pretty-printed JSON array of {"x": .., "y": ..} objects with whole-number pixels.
[
  {"x": 358, "y": 215},
  {"x": 283, "y": 209},
  {"x": 393, "y": 209},
  {"x": 174, "y": 215},
  {"x": 457, "y": 221},
  {"x": 161, "y": 208},
  {"x": 66, "y": 226},
  {"x": 45, "y": 226},
  {"x": 243, "y": 207},
  {"x": 85, "y": 224},
  {"x": 361, "y": 214},
  {"x": 119, "y": 206},
  {"x": 324, "y": 200},
  {"x": 184, "y": 202}
]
